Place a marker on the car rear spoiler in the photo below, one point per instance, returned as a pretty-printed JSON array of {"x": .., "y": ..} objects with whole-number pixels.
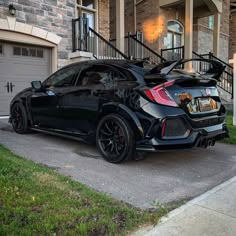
[{"x": 213, "y": 69}]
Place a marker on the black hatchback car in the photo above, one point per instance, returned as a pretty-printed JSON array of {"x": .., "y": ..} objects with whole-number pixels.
[{"x": 125, "y": 106}]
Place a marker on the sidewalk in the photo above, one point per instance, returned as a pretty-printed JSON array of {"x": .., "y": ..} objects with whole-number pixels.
[{"x": 211, "y": 214}]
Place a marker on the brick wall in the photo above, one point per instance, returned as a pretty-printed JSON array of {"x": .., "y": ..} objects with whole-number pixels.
[
  {"x": 232, "y": 36},
  {"x": 112, "y": 12},
  {"x": 177, "y": 14},
  {"x": 129, "y": 17},
  {"x": 224, "y": 18},
  {"x": 203, "y": 34},
  {"x": 55, "y": 16},
  {"x": 149, "y": 22},
  {"x": 104, "y": 18},
  {"x": 153, "y": 20}
]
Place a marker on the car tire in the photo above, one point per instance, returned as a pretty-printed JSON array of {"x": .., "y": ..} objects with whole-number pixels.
[
  {"x": 19, "y": 119},
  {"x": 115, "y": 138}
]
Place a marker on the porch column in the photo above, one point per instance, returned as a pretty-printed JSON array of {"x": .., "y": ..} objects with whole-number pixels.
[
  {"x": 120, "y": 25},
  {"x": 216, "y": 34},
  {"x": 188, "y": 35}
]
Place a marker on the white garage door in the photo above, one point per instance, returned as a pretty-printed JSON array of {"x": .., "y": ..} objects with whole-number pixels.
[{"x": 19, "y": 65}]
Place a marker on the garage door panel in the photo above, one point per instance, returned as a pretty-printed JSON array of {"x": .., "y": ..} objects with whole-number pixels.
[
  {"x": 20, "y": 85},
  {"x": 5, "y": 98},
  {"x": 19, "y": 71},
  {"x": 3, "y": 87},
  {"x": 4, "y": 106}
]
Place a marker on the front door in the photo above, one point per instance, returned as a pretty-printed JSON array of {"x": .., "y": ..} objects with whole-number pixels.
[{"x": 46, "y": 112}]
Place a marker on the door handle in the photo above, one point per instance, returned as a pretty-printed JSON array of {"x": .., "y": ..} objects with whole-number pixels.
[
  {"x": 11, "y": 87},
  {"x": 8, "y": 87}
]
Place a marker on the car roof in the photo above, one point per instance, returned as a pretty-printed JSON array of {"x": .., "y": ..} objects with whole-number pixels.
[{"x": 125, "y": 64}]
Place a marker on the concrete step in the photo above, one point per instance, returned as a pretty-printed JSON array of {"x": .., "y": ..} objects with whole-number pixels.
[{"x": 228, "y": 106}]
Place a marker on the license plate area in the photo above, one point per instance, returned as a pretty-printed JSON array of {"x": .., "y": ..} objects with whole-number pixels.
[
  {"x": 201, "y": 105},
  {"x": 205, "y": 104}
]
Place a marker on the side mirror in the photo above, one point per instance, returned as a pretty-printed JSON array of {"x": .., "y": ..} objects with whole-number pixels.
[{"x": 37, "y": 85}]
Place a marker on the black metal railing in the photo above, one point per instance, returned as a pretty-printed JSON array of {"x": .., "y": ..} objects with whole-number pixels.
[
  {"x": 136, "y": 52},
  {"x": 135, "y": 49},
  {"x": 86, "y": 39},
  {"x": 140, "y": 51},
  {"x": 200, "y": 66},
  {"x": 80, "y": 30},
  {"x": 226, "y": 83},
  {"x": 173, "y": 54}
]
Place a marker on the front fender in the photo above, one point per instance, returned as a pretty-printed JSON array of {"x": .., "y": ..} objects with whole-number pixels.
[{"x": 25, "y": 102}]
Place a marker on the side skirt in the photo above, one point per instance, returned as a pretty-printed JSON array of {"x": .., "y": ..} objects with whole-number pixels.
[{"x": 64, "y": 134}]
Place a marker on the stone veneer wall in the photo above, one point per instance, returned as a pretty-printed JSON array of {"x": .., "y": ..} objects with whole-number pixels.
[{"x": 54, "y": 16}]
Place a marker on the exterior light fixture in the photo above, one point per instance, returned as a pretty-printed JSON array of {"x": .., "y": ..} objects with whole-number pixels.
[{"x": 12, "y": 10}]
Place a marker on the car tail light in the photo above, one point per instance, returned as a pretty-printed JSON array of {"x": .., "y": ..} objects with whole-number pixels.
[{"x": 160, "y": 95}]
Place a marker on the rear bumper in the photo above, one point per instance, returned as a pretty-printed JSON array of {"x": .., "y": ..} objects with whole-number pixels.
[{"x": 203, "y": 137}]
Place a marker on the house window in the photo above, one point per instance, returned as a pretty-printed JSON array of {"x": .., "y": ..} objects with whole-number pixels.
[
  {"x": 175, "y": 34},
  {"x": 87, "y": 9},
  {"x": 211, "y": 22},
  {"x": 1, "y": 49}
]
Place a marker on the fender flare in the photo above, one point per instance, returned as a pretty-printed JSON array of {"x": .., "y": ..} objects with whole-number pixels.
[{"x": 120, "y": 108}]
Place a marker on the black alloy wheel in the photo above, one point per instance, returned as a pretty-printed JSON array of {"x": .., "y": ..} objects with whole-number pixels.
[
  {"x": 19, "y": 119},
  {"x": 115, "y": 138}
]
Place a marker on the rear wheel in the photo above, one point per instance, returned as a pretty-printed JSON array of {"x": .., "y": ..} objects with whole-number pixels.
[
  {"x": 115, "y": 138},
  {"x": 19, "y": 119}
]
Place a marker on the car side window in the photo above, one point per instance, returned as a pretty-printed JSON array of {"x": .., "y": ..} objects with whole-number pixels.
[
  {"x": 98, "y": 74},
  {"x": 63, "y": 78}
]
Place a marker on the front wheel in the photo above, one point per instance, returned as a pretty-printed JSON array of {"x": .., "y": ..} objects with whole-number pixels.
[
  {"x": 19, "y": 119},
  {"x": 115, "y": 138}
]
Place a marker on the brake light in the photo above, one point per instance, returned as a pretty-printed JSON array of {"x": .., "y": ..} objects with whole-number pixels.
[{"x": 160, "y": 95}]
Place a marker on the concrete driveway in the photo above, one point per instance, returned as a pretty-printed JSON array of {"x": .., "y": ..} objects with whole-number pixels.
[{"x": 163, "y": 177}]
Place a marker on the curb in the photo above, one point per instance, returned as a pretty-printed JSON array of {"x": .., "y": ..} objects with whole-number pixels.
[{"x": 182, "y": 208}]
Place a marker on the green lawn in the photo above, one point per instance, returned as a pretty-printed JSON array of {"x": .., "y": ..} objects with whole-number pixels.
[
  {"x": 35, "y": 200},
  {"x": 232, "y": 130}
]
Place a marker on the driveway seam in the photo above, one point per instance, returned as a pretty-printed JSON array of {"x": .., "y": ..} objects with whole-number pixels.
[{"x": 207, "y": 208}]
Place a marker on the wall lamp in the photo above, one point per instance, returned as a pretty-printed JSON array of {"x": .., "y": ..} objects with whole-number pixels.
[{"x": 12, "y": 10}]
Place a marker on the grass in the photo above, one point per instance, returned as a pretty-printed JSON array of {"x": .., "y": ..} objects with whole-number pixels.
[
  {"x": 35, "y": 200},
  {"x": 232, "y": 130}
]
